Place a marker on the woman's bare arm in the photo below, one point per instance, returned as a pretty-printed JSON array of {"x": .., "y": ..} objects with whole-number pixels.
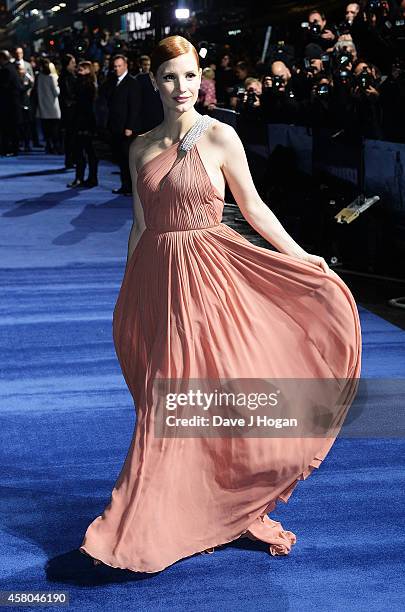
[
  {"x": 236, "y": 171},
  {"x": 138, "y": 224}
]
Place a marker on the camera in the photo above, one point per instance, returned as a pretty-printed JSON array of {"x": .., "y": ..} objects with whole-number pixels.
[
  {"x": 365, "y": 80},
  {"x": 344, "y": 76},
  {"x": 345, "y": 27},
  {"x": 308, "y": 66},
  {"x": 277, "y": 81},
  {"x": 240, "y": 93},
  {"x": 322, "y": 90},
  {"x": 343, "y": 59},
  {"x": 374, "y": 6},
  {"x": 314, "y": 28},
  {"x": 251, "y": 98}
]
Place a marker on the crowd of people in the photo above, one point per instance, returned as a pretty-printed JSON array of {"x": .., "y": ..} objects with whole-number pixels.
[
  {"x": 68, "y": 102},
  {"x": 347, "y": 75}
]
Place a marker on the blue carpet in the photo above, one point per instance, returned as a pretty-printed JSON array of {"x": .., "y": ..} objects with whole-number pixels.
[{"x": 66, "y": 421}]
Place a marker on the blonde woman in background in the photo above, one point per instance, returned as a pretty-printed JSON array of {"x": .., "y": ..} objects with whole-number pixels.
[{"x": 48, "y": 105}]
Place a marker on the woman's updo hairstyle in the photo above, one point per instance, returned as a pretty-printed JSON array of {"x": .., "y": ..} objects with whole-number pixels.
[{"x": 169, "y": 48}]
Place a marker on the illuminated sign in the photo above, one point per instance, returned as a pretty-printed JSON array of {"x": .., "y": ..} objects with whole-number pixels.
[{"x": 138, "y": 21}]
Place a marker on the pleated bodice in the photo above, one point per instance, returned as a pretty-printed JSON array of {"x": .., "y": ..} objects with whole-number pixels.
[{"x": 179, "y": 195}]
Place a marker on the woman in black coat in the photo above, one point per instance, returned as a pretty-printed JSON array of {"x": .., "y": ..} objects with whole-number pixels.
[{"x": 85, "y": 126}]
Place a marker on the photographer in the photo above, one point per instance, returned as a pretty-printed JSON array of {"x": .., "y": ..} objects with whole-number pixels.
[
  {"x": 315, "y": 60},
  {"x": 281, "y": 98},
  {"x": 320, "y": 102},
  {"x": 241, "y": 73},
  {"x": 323, "y": 110},
  {"x": 366, "y": 111},
  {"x": 248, "y": 96},
  {"x": 342, "y": 61},
  {"x": 318, "y": 31},
  {"x": 373, "y": 33},
  {"x": 315, "y": 63},
  {"x": 351, "y": 12}
]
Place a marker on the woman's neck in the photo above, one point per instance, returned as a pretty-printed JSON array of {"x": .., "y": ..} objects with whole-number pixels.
[{"x": 174, "y": 126}]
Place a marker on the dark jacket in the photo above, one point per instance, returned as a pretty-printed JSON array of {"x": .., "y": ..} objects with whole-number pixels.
[
  {"x": 10, "y": 93},
  {"x": 123, "y": 104},
  {"x": 67, "y": 96},
  {"x": 85, "y": 94},
  {"x": 149, "y": 108}
]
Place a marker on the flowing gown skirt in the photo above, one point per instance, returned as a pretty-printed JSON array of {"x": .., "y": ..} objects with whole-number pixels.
[{"x": 199, "y": 301}]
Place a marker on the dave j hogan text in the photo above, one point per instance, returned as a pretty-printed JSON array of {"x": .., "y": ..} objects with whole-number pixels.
[{"x": 217, "y": 420}]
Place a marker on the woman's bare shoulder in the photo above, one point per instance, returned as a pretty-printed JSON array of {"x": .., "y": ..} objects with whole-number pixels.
[
  {"x": 225, "y": 138},
  {"x": 221, "y": 133},
  {"x": 141, "y": 144}
]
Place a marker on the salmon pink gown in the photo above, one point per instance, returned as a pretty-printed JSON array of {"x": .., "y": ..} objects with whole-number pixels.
[{"x": 199, "y": 301}]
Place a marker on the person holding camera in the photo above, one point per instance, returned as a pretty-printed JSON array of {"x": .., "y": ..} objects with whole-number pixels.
[
  {"x": 281, "y": 100},
  {"x": 373, "y": 31},
  {"x": 248, "y": 96},
  {"x": 366, "y": 111},
  {"x": 352, "y": 10},
  {"x": 241, "y": 73},
  {"x": 315, "y": 60},
  {"x": 341, "y": 69},
  {"x": 317, "y": 30},
  {"x": 323, "y": 110}
]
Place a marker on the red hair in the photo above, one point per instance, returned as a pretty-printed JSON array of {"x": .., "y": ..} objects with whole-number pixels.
[{"x": 169, "y": 48}]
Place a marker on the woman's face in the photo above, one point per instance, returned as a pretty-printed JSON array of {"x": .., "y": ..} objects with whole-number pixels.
[
  {"x": 178, "y": 81},
  {"x": 82, "y": 70}
]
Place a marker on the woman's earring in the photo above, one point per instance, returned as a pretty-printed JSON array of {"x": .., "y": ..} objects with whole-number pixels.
[{"x": 152, "y": 78}]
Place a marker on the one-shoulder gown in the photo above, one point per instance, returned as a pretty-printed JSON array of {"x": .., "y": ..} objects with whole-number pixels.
[{"x": 199, "y": 301}]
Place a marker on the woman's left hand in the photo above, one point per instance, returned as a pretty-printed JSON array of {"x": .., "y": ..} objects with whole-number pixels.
[{"x": 316, "y": 259}]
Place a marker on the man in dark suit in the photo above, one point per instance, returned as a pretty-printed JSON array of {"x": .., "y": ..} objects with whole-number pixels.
[
  {"x": 10, "y": 107},
  {"x": 20, "y": 61},
  {"x": 121, "y": 94}
]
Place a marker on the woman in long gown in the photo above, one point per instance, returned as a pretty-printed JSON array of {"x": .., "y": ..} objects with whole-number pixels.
[{"x": 199, "y": 301}]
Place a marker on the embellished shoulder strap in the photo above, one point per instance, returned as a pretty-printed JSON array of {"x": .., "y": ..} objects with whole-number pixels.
[
  {"x": 191, "y": 137},
  {"x": 194, "y": 133}
]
